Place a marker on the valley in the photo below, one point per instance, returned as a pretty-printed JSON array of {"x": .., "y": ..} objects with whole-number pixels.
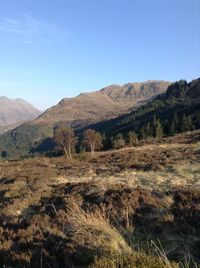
[{"x": 99, "y": 134}]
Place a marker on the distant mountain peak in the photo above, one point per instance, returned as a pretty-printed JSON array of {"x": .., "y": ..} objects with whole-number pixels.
[
  {"x": 4, "y": 98},
  {"x": 14, "y": 111}
]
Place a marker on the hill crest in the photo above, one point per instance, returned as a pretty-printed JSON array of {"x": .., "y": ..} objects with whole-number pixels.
[{"x": 108, "y": 102}]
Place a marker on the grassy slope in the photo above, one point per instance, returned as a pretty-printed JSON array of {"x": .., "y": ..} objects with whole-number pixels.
[{"x": 87, "y": 210}]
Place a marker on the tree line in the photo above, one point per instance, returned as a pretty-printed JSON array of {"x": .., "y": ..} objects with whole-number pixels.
[
  {"x": 67, "y": 142},
  {"x": 91, "y": 140},
  {"x": 158, "y": 129},
  {"x": 175, "y": 111}
]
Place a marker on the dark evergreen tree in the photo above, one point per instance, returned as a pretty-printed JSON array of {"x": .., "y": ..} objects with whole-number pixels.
[
  {"x": 154, "y": 126},
  {"x": 159, "y": 133},
  {"x": 190, "y": 123},
  {"x": 172, "y": 128},
  {"x": 149, "y": 130},
  {"x": 143, "y": 134},
  {"x": 174, "y": 125},
  {"x": 167, "y": 128},
  {"x": 186, "y": 123}
]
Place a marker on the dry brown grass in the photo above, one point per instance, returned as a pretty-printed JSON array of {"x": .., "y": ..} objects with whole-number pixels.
[
  {"x": 95, "y": 232},
  {"x": 100, "y": 210}
]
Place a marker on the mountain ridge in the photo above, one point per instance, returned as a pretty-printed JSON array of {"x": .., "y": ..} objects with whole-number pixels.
[
  {"x": 109, "y": 102},
  {"x": 181, "y": 99}
]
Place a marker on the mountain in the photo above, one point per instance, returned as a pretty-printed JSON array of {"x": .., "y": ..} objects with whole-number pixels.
[
  {"x": 108, "y": 102},
  {"x": 14, "y": 112},
  {"x": 78, "y": 112},
  {"x": 177, "y": 108}
]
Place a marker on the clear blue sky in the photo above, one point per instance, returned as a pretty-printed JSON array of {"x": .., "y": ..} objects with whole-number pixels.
[{"x": 50, "y": 49}]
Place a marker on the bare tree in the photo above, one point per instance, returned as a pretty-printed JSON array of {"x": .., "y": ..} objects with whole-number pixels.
[
  {"x": 65, "y": 140},
  {"x": 92, "y": 139}
]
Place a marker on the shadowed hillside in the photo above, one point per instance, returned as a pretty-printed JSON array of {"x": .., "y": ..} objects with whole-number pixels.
[
  {"x": 78, "y": 112},
  {"x": 177, "y": 110}
]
